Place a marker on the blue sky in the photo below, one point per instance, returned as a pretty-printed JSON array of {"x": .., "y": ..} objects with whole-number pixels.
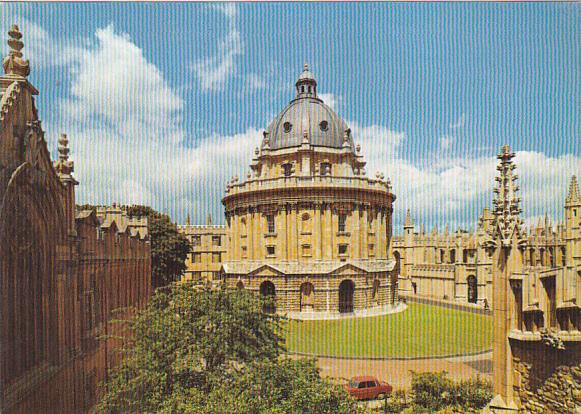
[{"x": 164, "y": 102}]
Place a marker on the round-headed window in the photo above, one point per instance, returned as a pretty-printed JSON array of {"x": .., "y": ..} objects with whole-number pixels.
[
  {"x": 287, "y": 126},
  {"x": 324, "y": 125}
]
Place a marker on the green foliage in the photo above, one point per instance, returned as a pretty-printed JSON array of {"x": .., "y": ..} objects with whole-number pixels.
[
  {"x": 204, "y": 351},
  {"x": 433, "y": 392},
  {"x": 169, "y": 248}
]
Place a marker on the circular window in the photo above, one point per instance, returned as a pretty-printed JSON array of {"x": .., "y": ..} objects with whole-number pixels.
[
  {"x": 324, "y": 125},
  {"x": 306, "y": 216},
  {"x": 287, "y": 126}
]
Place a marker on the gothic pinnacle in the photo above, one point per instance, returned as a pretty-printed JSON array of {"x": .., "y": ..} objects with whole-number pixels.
[
  {"x": 573, "y": 196},
  {"x": 14, "y": 64}
]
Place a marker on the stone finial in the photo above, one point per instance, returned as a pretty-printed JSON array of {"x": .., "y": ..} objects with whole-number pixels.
[
  {"x": 256, "y": 151},
  {"x": 63, "y": 166},
  {"x": 265, "y": 141},
  {"x": 346, "y": 143},
  {"x": 358, "y": 148},
  {"x": 188, "y": 222},
  {"x": 14, "y": 64},
  {"x": 209, "y": 220},
  {"x": 408, "y": 219},
  {"x": 573, "y": 197},
  {"x": 63, "y": 147}
]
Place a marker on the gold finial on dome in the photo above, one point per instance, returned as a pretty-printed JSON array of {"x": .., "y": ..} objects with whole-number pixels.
[{"x": 13, "y": 63}]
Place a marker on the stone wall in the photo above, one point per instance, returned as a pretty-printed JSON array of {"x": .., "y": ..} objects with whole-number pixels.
[
  {"x": 326, "y": 290},
  {"x": 547, "y": 380}
]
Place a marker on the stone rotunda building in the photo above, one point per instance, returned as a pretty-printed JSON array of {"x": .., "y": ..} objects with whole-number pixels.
[{"x": 307, "y": 225}]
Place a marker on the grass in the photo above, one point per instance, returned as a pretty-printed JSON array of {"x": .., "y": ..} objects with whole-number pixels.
[{"x": 420, "y": 330}]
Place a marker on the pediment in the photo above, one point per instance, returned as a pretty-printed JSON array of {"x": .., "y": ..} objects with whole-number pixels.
[
  {"x": 347, "y": 269},
  {"x": 266, "y": 270}
]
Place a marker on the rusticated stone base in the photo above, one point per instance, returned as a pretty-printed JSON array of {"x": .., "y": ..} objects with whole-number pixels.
[{"x": 547, "y": 380}]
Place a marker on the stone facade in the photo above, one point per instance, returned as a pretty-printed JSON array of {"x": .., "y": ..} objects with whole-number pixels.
[
  {"x": 307, "y": 225},
  {"x": 62, "y": 271},
  {"x": 537, "y": 318},
  {"x": 209, "y": 246},
  {"x": 455, "y": 266}
]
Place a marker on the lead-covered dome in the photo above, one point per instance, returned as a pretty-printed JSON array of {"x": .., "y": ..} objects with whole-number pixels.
[{"x": 308, "y": 116}]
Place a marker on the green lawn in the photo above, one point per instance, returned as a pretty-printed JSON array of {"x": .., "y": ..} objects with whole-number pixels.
[{"x": 420, "y": 330}]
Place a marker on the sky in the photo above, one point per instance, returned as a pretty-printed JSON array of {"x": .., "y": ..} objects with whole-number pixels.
[{"x": 164, "y": 103}]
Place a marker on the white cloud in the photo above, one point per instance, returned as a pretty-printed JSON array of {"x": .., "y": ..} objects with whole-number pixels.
[
  {"x": 213, "y": 72},
  {"x": 127, "y": 138},
  {"x": 454, "y": 190},
  {"x": 331, "y": 100},
  {"x": 113, "y": 82},
  {"x": 446, "y": 142},
  {"x": 459, "y": 123}
]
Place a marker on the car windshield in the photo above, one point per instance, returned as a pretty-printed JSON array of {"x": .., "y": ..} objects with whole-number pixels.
[{"x": 353, "y": 384}]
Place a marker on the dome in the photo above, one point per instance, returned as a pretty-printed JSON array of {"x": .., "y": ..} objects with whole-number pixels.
[{"x": 307, "y": 113}]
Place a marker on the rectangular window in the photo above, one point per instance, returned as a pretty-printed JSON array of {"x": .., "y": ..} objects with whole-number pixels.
[
  {"x": 216, "y": 257},
  {"x": 270, "y": 250},
  {"x": 216, "y": 241},
  {"x": 197, "y": 257},
  {"x": 196, "y": 240},
  {"x": 306, "y": 249},
  {"x": 270, "y": 222},
  {"x": 244, "y": 251},
  {"x": 372, "y": 250},
  {"x": 325, "y": 168},
  {"x": 343, "y": 249},
  {"x": 342, "y": 220}
]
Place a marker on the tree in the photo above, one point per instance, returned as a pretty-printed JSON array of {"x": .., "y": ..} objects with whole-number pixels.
[
  {"x": 169, "y": 247},
  {"x": 209, "y": 351}
]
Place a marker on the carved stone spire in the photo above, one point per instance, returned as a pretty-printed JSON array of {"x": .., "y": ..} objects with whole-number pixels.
[
  {"x": 507, "y": 211},
  {"x": 188, "y": 221},
  {"x": 573, "y": 197},
  {"x": 209, "y": 219},
  {"x": 14, "y": 64}
]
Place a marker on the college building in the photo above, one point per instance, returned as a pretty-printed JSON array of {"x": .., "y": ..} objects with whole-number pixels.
[{"x": 63, "y": 271}]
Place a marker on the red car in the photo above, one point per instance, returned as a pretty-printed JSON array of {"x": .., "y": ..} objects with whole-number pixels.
[{"x": 365, "y": 388}]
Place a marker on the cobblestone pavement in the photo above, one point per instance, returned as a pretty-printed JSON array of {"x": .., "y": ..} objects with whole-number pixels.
[{"x": 397, "y": 373}]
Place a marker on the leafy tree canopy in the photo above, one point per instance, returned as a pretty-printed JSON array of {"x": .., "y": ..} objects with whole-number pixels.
[
  {"x": 204, "y": 351},
  {"x": 169, "y": 248}
]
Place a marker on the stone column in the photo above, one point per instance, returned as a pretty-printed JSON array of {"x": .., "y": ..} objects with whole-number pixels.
[
  {"x": 365, "y": 233},
  {"x": 249, "y": 235},
  {"x": 294, "y": 232},
  {"x": 317, "y": 232},
  {"x": 355, "y": 233}
]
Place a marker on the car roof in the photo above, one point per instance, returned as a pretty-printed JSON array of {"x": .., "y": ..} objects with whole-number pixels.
[{"x": 364, "y": 378}]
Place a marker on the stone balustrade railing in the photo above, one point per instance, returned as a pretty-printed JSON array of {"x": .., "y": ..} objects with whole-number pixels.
[{"x": 257, "y": 184}]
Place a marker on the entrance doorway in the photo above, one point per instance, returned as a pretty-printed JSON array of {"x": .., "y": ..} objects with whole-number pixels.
[
  {"x": 307, "y": 297},
  {"x": 346, "y": 289}
]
